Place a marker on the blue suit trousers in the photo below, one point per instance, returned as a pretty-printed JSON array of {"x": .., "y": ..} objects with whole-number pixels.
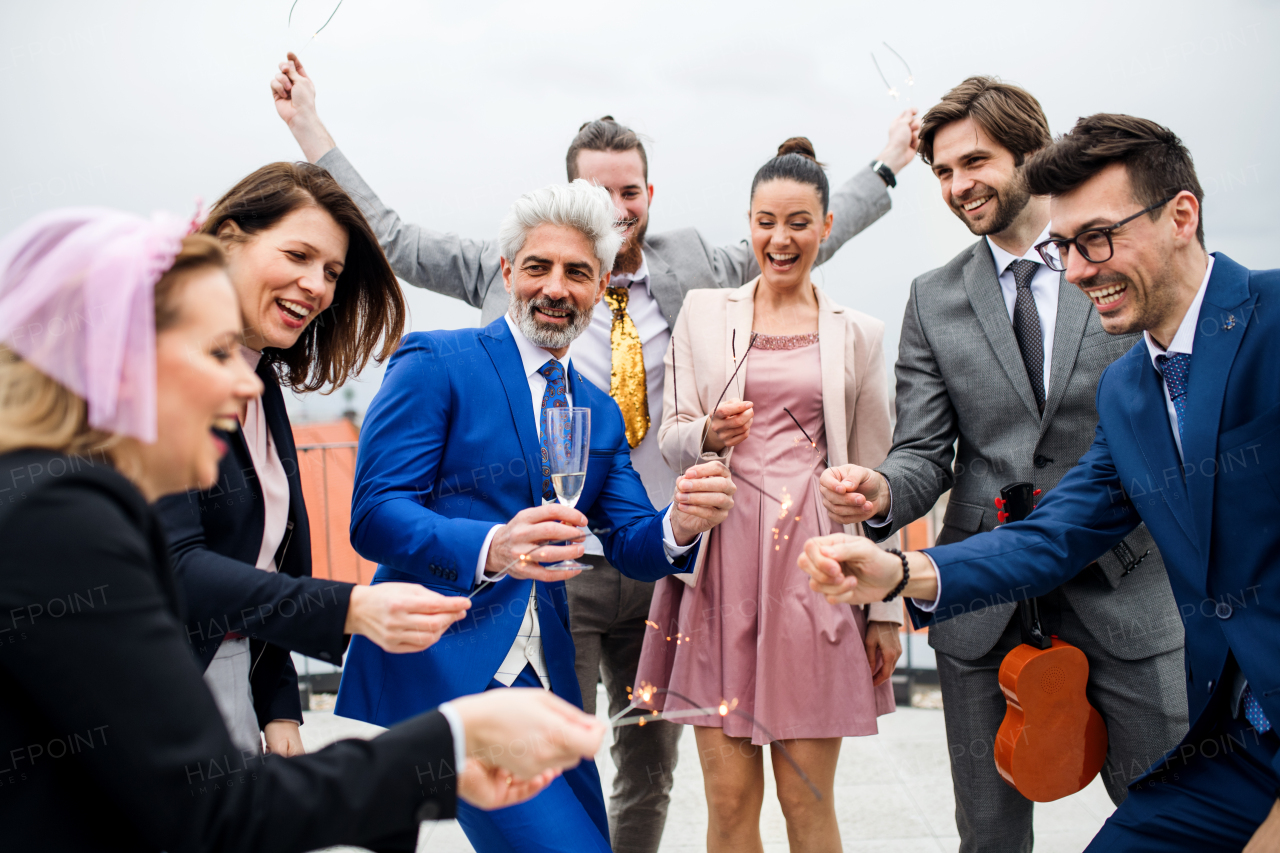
[
  {"x": 1211, "y": 795},
  {"x": 568, "y": 817}
]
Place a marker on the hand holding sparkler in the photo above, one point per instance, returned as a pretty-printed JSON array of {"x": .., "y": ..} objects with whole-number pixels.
[
  {"x": 852, "y": 494},
  {"x": 523, "y": 732},
  {"x": 904, "y": 140},
  {"x": 402, "y": 617},
  {"x": 729, "y": 425},
  {"x": 853, "y": 570},
  {"x": 295, "y": 99},
  {"x": 703, "y": 498}
]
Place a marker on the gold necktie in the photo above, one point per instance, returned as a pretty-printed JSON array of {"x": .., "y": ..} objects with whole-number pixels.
[{"x": 627, "y": 383}]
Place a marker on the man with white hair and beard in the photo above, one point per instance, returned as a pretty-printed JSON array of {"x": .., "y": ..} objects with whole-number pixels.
[
  {"x": 453, "y": 491},
  {"x": 621, "y": 351}
]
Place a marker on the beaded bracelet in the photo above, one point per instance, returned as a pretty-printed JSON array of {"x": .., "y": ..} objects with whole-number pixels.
[{"x": 906, "y": 575}]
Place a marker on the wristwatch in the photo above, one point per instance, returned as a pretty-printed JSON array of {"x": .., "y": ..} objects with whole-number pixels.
[{"x": 885, "y": 173}]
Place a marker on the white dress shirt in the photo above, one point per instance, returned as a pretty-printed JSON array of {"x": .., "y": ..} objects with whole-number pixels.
[
  {"x": 593, "y": 356},
  {"x": 527, "y": 647},
  {"x": 1181, "y": 342},
  {"x": 1044, "y": 289}
]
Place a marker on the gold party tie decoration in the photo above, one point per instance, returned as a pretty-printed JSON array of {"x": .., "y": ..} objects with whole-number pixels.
[{"x": 627, "y": 383}]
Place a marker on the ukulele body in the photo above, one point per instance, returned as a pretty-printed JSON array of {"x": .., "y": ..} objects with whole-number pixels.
[{"x": 1052, "y": 742}]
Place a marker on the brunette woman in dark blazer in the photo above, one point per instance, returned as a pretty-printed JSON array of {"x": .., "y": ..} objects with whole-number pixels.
[{"x": 318, "y": 301}]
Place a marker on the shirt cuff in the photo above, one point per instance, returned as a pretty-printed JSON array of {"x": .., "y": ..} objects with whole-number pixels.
[
  {"x": 888, "y": 516},
  {"x": 483, "y": 559},
  {"x": 459, "y": 733},
  {"x": 932, "y": 605},
  {"x": 669, "y": 545}
]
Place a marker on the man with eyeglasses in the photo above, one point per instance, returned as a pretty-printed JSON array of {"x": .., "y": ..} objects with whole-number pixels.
[
  {"x": 997, "y": 370},
  {"x": 1188, "y": 442}
]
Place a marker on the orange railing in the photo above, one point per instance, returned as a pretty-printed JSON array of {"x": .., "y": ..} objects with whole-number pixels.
[{"x": 328, "y": 471}]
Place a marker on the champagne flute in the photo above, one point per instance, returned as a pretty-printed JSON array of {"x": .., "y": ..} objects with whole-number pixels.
[{"x": 568, "y": 432}]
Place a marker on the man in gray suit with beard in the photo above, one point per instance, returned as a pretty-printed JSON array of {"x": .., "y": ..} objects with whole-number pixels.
[
  {"x": 622, "y": 351},
  {"x": 999, "y": 354}
]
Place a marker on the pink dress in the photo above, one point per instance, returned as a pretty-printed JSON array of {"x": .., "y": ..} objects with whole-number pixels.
[{"x": 752, "y": 630}]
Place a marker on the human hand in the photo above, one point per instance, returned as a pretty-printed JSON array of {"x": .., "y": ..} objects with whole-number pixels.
[
  {"x": 729, "y": 425},
  {"x": 703, "y": 498},
  {"x": 1266, "y": 838},
  {"x": 884, "y": 647},
  {"x": 853, "y": 494},
  {"x": 488, "y": 787},
  {"x": 904, "y": 140},
  {"x": 402, "y": 617},
  {"x": 295, "y": 99},
  {"x": 524, "y": 542},
  {"x": 283, "y": 738},
  {"x": 526, "y": 731},
  {"x": 852, "y": 570}
]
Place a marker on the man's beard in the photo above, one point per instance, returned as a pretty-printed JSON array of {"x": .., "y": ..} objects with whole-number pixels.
[
  {"x": 1009, "y": 201},
  {"x": 1148, "y": 310},
  {"x": 546, "y": 335},
  {"x": 630, "y": 255}
]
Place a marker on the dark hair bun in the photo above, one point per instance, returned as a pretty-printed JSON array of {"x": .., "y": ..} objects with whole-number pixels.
[{"x": 798, "y": 145}]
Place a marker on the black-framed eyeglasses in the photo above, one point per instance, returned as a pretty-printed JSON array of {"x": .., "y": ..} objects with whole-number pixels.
[{"x": 1094, "y": 243}]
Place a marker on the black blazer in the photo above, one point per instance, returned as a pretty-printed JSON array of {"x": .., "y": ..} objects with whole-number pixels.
[
  {"x": 109, "y": 738},
  {"x": 214, "y": 538}
]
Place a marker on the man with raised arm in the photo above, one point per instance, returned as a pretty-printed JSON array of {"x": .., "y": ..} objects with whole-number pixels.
[
  {"x": 621, "y": 351},
  {"x": 1187, "y": 442}
]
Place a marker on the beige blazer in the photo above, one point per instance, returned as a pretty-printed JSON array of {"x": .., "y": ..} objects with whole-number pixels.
[{"x": 855, "y": 393}]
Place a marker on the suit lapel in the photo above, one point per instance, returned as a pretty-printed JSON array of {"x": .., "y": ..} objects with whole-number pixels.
[
  {"x": 981, "y": 282},
  {"x": 1073, "y": 315},
  {"x": 1224, "y": 318},
  {"x": 505, "y": 356},
  {"x": 664, "y": 286},
  {"x": 831, "y": 348}
]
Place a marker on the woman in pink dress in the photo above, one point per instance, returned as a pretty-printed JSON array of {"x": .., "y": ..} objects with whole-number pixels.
[{"x": 745, "y": 628}]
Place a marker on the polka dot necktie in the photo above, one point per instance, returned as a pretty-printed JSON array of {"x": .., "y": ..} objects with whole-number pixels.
[
  {"x": 1026, "y": 327},
  {"x": 556, "y": 396},
  {"x": 1175, "y": 369}
]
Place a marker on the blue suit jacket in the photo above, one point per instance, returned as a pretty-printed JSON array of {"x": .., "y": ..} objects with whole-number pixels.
[
  {"x": 448, "y": 449},
  {"x": 1215, "y": 516}
]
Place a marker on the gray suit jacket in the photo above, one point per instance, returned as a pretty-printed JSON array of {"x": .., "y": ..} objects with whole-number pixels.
[
  {"x": 678, "y": 260},
  {"x": 960, "y": 376}
]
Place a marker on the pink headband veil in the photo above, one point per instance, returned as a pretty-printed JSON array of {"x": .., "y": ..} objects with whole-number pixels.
[{"x": 77, "y": 301}]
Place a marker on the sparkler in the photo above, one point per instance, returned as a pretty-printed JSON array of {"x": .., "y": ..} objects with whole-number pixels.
[
  {"x": 322, "y": 26},
  {"x": 910, "y": 81},
  {"x": 648, "y": 691},
  {"x": 812, "y": 443}
]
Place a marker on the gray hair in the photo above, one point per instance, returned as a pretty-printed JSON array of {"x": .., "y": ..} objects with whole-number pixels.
[{"x": 579, "y": 205}]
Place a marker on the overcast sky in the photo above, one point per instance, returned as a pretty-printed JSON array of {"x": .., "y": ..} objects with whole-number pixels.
[{"x": 451, "y": 110}]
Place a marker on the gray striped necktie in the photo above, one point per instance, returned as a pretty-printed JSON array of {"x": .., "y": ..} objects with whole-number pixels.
[{"x": 1026, "y": 326}]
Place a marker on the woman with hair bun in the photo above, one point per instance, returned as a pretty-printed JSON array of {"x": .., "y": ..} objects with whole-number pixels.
[{"x": 746, "y": 628}]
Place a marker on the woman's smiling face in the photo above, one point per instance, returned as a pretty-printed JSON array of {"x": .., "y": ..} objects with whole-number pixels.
[
  {"x": 286, "y": 275},
  {"x": 787, "y": 227}
]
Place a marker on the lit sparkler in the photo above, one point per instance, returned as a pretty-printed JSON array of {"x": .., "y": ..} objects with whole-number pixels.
[
  {"x": 910, "y": 81},
  {"x": 289, "y": 22}
]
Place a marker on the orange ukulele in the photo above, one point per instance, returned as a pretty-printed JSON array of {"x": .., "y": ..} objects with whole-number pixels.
[{"x": 1052, "y": 741}]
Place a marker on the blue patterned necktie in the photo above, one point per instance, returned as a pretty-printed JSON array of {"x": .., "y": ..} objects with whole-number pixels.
[
  {"x": 1176, "y": 370},
  {"x": 555, "y": 397}
]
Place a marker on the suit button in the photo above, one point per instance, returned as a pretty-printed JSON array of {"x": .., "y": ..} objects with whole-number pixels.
[
  {"x": 453, "y": 576},
  {"x": 1223, "y": 610},
  {"x": 1040, "y": 461}
]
